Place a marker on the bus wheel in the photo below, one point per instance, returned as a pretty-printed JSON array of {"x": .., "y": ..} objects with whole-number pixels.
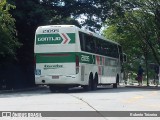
[
  {"x": 117, "y": 81},
  {"x": 89, "y": 86},
  {"x": 95, "y": 82},
  {"x": 115, "y": 85},
  {"x": 52, "y": 88},
  {"x": 63, "y": 89}
]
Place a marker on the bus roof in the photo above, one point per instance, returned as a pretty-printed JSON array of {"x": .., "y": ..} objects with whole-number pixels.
[{"x": 79, "y": 29}]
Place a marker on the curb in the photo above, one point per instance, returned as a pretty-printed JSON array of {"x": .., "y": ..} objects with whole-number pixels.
[{"x": 144, "y": 87}]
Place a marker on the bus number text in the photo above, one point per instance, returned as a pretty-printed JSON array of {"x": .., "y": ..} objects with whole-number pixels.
[
  {"x": 85, "y": 58},
  {"x": 50, "y": 31}
]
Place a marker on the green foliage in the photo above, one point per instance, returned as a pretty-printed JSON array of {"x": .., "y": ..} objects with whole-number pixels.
[
  {"x": 91, "y": 12},
  {"x": 135, "y": 26},
  {"x": 65, "y": 21},
  {"x": 8, "y": 41},
  {"x": 30, "y": 14}
]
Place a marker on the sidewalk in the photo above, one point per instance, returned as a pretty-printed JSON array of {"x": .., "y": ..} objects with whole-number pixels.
[{"x": 135, "y": 85}]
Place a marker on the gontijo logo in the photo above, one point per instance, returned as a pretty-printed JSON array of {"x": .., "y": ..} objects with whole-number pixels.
[
  {"x": 48, "y": 39},
  {"x": 60, "y": 38}
]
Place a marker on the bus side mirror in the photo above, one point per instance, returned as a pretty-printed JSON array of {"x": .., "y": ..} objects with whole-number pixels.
[{"x": 124, "y": 57}]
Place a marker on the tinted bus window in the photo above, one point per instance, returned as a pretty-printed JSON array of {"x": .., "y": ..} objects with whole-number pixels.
[
  {"x": 96, "y": 45},
  {"x": 82, "y": 43},
  {"x": 87, "y": 42},
  {"x": 120, "y": 53}
]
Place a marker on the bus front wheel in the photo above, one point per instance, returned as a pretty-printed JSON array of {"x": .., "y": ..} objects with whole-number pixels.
[
  {"x": 89, "y": 86},
  {"x": 52, "y": 88},
  {"x": 117, "y": 81}
]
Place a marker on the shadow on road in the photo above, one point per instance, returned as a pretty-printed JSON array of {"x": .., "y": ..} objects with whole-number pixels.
[
  {"x": 101, "y": 89},
  {"x": 109, "y": 89}
]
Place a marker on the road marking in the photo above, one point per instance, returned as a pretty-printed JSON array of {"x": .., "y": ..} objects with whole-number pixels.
[
  {"x": 151, "y": 105},
  {"x": 134, "y": 99},
  {"x": 144, "y": 101},
  {"x": 153, "y": 93}
]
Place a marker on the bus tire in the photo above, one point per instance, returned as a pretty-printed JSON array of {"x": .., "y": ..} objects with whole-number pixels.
[
  {"x": 89, "y": 86},
  {"x": 115, "y": 85},
  {"x": 52, "y": 88},
  {"x": 63, "y": 89},
  {"x": 95, "y": 82},
  {"x": 117, "y": 82}
]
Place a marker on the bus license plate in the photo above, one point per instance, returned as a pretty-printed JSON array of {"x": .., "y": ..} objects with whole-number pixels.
[{"x": 55, "y": 77}]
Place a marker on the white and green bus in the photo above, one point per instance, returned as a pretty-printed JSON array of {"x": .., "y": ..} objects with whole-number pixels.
[{"x": 67, "y": 56}]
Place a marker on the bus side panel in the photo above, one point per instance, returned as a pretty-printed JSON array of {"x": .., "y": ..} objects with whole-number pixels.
[
  {"x": 86, "y": 71},
  {"x": 107, "y": 69}
]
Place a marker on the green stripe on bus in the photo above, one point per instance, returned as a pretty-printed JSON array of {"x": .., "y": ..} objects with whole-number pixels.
[
  {"x": 70, "y": 57},
  {"x": 64, "y": 57},
  {"x": 72, "y": 37},
  {"x": 55, "y": 58}
]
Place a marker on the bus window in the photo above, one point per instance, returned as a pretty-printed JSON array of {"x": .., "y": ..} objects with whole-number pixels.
[
  {"x": 114, "y": 51},
  {"x": 98, "y": 46},
  {"x": 92, "y": 44},
  {"x": 103, "y": 48},
  {"x": 89, "y": 43},
  {"x": 82, "y": 43},
  {"x": 120, "y": 53},
  {"x": 108, "y": 49}
]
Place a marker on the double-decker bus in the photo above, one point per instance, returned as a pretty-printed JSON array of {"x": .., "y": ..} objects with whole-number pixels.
[{"x": 67, "y": 56}]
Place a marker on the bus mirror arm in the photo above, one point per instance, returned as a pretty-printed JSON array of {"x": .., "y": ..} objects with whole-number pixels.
[{"x": 124, "y": 57}]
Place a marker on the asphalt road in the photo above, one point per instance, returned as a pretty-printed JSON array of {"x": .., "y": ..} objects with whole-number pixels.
[{"x": 104, "y": 99}]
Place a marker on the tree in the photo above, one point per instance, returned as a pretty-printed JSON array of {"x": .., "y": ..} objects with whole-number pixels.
[
  {"x": 137, "y": 18},
  {"x": 8, "y": 40},
  {"x": 29, "y": 14},
  {"x": 92, "y": 13},
  {"x": 143, "y": 14}
]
